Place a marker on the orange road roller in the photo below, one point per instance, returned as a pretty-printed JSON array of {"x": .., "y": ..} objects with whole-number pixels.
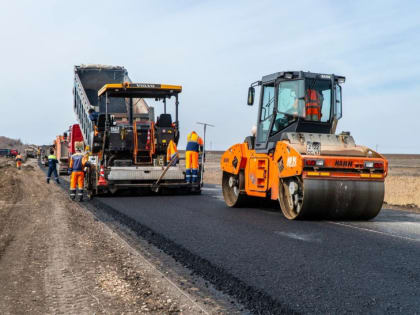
[{"x": 295, "y": 157}]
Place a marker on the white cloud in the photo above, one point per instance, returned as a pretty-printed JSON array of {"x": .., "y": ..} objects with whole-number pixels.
[{"x": 215, "y": 49}]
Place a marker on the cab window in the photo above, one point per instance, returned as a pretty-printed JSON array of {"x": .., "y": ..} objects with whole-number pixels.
[
  {"x": 338, "y": 108},
  {"x": 318, "y": 100},
  {"x": 290, "y": 103},
  {"x": 267, "y": 109}
]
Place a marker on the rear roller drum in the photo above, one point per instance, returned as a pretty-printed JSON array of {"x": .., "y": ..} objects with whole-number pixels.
[{"x": 231, "y": 187}]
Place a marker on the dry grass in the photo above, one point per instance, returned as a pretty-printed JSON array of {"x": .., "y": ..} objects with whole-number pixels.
[
  {"x": 402, "y": 190},
  {"x": 213, "y": 173}
]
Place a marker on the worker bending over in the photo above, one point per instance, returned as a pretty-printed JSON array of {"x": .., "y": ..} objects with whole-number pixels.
[
  {"x": 171, "y": 153},
  {"x": 78, "y": 161},
  {"x": 194, "y": 145},
  {"x": 93, "y": 116},
  {"x": 52, "y": 167},
  {"x": 19, "y": 160}
]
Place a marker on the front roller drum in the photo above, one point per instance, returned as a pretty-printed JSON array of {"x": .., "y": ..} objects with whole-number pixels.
[{"x": 330, "y": 199}]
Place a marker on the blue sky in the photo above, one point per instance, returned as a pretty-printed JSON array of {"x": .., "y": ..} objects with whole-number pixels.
[{"x": 215, "y": 49}]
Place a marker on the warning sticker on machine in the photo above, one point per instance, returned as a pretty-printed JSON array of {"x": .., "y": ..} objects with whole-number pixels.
[
  {"x": 291, "y": 161},
  {"x": 115, "y": 130},
  {"x": 313, "y": 148}
]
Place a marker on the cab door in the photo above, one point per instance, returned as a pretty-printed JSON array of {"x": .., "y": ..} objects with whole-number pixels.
[{"x": 266, "y": 112}]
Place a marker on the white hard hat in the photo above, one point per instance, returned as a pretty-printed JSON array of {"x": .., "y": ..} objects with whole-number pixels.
[
  {"x": 254, "y": 130},
  {"x": 79, "y": 145}
]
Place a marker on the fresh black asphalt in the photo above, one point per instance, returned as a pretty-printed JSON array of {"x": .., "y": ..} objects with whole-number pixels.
[{"x": 273, "y": 265}]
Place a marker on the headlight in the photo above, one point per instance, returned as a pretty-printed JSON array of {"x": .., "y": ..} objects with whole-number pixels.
[{"x": 317, "y": 163}]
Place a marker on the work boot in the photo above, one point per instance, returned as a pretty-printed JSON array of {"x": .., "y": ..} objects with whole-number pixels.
[
  {"x": 48, "y": 180},
  {"x": 194, "y": 176},
  {"x": 72, "y": 194},
  {"x": 188, "y": 176}
]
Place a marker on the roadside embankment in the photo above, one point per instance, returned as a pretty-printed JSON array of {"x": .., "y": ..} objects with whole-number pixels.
[
  {"x": 56, "y": 257},
  {"x": 402, "y": 186}
]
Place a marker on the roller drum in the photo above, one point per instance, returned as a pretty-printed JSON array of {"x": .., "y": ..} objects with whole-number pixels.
[{"x": 341, "y": 199}]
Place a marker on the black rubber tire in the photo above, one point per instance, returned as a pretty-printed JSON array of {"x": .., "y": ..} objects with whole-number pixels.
[
  {"x": 234, "y": 199},
  {"x": 283, "y": 198}
]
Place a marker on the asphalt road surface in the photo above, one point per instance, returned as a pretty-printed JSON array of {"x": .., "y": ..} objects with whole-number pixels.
[{"x": 273, "y": 265}]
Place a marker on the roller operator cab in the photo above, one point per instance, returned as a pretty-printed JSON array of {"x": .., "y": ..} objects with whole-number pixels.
[{"x": 296, "y": 157}]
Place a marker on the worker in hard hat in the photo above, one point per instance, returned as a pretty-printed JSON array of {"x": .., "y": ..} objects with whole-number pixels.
[
  {"x": 78, "y": 161},
  {"x": 254, "y": 131},
  {"x": 194, "y": 146},
  {"x": 19, "y": 159},
  {"x": 172, "y": 153},
  {"x": 52, "y": 167}
]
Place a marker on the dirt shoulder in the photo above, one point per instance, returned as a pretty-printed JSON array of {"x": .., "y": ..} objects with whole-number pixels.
[{"x": 55, "y": 257}]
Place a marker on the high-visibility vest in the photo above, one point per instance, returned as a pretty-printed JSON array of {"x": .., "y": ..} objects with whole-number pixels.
[
  {"x": 52, "y": 161},
  {"x": 171, "y": 151},
  {"x": 312, "y": 104},
  {"x": 194, "y": 142},
  {"x": 77, "y": 162}
]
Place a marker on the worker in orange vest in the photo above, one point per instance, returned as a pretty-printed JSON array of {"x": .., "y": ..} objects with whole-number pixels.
[
  {"x": 19, "y": 160},
  {"x": 313, "y": 105},
  {"x": 194, "y": 145},
  {"x": 78, "y": 161},
  {"x": 171, "y": 152}
]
